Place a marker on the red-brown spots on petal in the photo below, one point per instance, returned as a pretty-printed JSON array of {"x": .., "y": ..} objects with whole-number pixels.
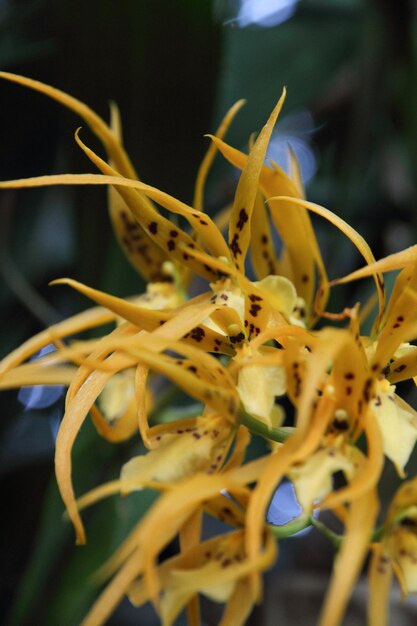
[
  {"x": 197, "y": 334},
  {"x": 243, "y": 218},
  {"x": 234, "y": 245},
  {"x": 254, "y": 310},
  {"x": 153, "y": 228}
]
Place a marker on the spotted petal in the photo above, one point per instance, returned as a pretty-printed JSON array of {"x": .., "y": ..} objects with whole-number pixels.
[{"x": 181, "y": 452}]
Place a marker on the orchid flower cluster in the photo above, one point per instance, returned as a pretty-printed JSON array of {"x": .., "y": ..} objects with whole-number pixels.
[{"x": 258, "y": 333}]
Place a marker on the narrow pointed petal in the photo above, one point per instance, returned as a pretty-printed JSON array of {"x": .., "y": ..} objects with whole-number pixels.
[
  {"x": 294, "y": 227},
  {"x": 295, "y": 174},
  {"x": 193, "y": 557},
  {"x": 380, "y": 577},
  {"x": 270, "y": 178},
  {"x": 85, "y": 391},
  {"x": 114, "y": 592},
  {"x": 97, "y": 352},
  {"x": 208, "y": 159},
  {"x": 357, "y": 240},
  {"x": 262, "y": 249},
  {"x": 202, "y": 224},
  {"x": 301, "y": 249},
  {"x": 237, "y": 456},
  {"x": 219, "y": 576},
  {"x": 400, "y": 324},
  {"x": 35, "y": 374},
  {"x": 158, "y": 227},
  {"x": 75, "y": 324},
  {"x": 221, "y": 399},
  {"x": 240, "y": 219},
  {"x": 240, "y": 605},
  {"x": 145, "y": 256},
  {"x": 396, "y": 261},
  {"x": 162, "y": 522},
  {"x": 359, "y": 525},
  {"x": 97, "y": 125}
]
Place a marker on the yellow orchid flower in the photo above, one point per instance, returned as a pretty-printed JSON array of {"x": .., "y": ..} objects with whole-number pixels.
[
  {"x": 216, "y": 568},
  {"x": 136, "y": 556},
  {"x": 391, "y": 360},
  {"x": 217, "y": 577},
  {"x": 396, "y": 553},
  {"x": 234, "y": 348}
]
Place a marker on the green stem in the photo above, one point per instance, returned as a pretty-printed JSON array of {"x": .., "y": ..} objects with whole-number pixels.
[
  {"x": 303, "y": 522},
  {"x": 333, "y": 537},
  {"x": 260, "y": 428},
  {"x": 291, "y": 528},
  {"x": 337, "y": 539},
  {"x": 377, "y": 534}
]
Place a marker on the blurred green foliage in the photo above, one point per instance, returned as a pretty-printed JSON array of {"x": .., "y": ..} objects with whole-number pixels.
[{"x": 174, "y": 67}]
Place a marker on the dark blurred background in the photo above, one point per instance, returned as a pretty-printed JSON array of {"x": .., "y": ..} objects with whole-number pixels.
[{"x": 173, "y": 67}]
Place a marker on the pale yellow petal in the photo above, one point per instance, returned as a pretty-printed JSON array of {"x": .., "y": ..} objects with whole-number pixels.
[
  {"x": 179, "y": 455},
  {"x": 399, "y": 434},
  {"x": 313, "y": 479},
  {"x": 258, "y": 386},
  {"x": 281, "y": 293}
]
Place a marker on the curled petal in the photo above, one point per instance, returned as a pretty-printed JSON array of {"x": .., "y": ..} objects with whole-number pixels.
[{"x": 346, "y": 229}]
